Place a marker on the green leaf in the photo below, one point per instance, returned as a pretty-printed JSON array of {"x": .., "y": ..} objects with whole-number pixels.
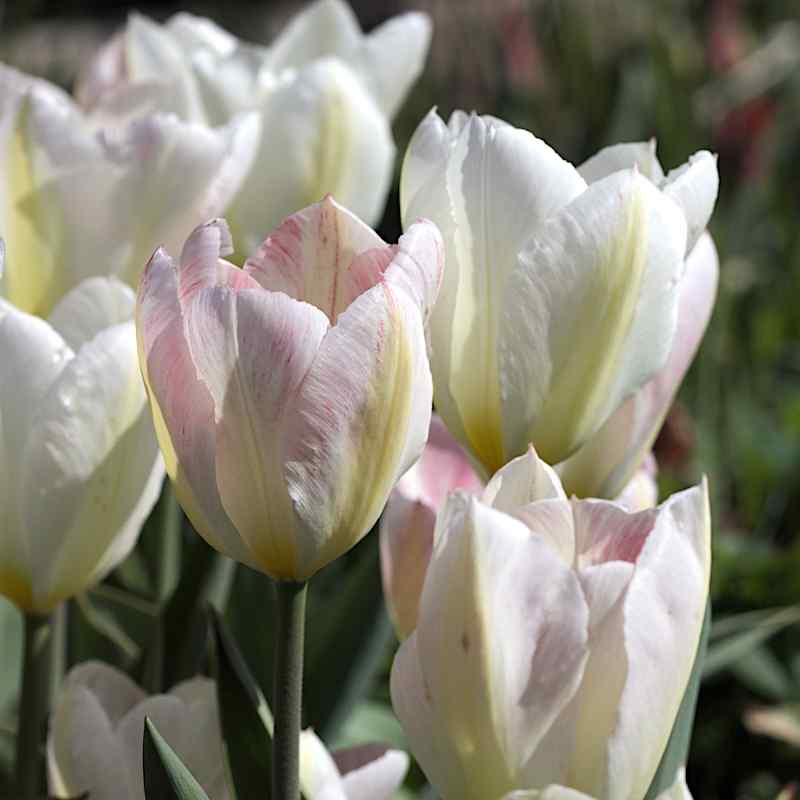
[
  {"x": 762, "y": 672},
  {"x": 206, "y": 581},
  {"x": 245, "y": 717},
  {"x": 166, "y": 777},
  {"x": 730, "y": 649},
  {"x": 677, "y": 749}
]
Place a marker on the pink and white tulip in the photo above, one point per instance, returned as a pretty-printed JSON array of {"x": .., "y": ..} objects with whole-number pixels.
[
  {"x": 80, "y": 469},
  {"x": 408, "y": 523},
  {"x": 561, "y": 294},
  {"x": 555, "y": 639},
  {"x": 290, "y": 395},
  {"x": 95, "y": 743}
]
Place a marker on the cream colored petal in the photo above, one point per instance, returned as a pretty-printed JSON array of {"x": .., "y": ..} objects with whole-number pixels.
[
  {"x": 323, "y": 135},
  {"x": 693, "y": 186},
  {"x": 499, "y": 611},
  {"x": 523, "y": 480},
  {"x": 628, "y": 155},
  {"x": 589, "y": 315}
]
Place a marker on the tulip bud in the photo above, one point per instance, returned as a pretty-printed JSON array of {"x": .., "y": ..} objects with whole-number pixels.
[
  {"x": 95, "y": 743},
  {"x": 79, "y": 468},
  {"x": 561, "y": 297},
  {"x": 554, "y": 642},
  {"x": 290, "y": 395},
  {"x": 75, "y": 202},
  {"x": 324, "y": 91}
]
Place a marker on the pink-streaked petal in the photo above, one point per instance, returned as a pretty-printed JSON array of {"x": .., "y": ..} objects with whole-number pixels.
[
  {"x": 203, "y": 265},
  {"x": 182, "y": 407},
  {"x": 360, "y": 420},
  {"x": 443, "y": 468},
  {"x": 605, "y": 531},
  {"x": 664, "y": 608},
  {"x": 406, "y": 534},
  {"x": 309, "y": 255},
  {"x": 604, "y": 465},
  {"x": 491, "y": 581},
  {"x": 552, "y": 521},
  {"x": 418, "y": 264},
  {"x": 253, "y": 349}
]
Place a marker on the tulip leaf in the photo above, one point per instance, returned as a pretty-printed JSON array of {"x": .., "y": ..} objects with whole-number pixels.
[
  {"x": 730, "y": 649},
  {"x": 245, "y": 717},
  {"x": 677, "y": 749},
  {"x": 166, "y": 777},
  {"x": 205, "y": 581}
]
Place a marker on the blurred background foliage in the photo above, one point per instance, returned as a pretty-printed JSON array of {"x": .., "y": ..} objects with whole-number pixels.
[{"x": 721, "y": 74}]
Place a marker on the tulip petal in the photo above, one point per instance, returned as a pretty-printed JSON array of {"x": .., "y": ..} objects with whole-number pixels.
[
  {"x": 513, "y": 589},
  {"x": 194, "y": 33},
  {"x": 502, "y": 183},
  {"x": 90, "y": 464},
  {"x": 253, "y": 349},
  {"x": 93, "y": 761},
  {"x": 173, "y": 176},
  {"x": 391, "y": 58},
  {"x": 152, "y": 53},
  {"x": 360, "y": 420},
  {"x": 33, "y": 355},
  {"x": 548, "y": 793},
  {"x": 319, "y": 775},
  {"x": 627, "y": 155},
  {"x": 589, "y": 314},
  {"x": 377, "y": 779},
  {"x": 693, "y": 186},
  {"x": 325, "y": 28},
  {"x": 92, "y": 306},
  {"x": 311, "y": 256},
  {"x": 182, "y": 408},
  {"x": 523, "y": 480},
  {"x": 323, "y": 135},
  {"x": 664, "y": 609},
  {"x": 605, "y": 464}
]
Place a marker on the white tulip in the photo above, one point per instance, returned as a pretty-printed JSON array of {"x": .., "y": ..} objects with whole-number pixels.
[
  {"x": 325, "y": 92},
  {"x": 560, "y": 298},
  {"x": 96, "y": 731},
  {"x": 80, "y": 469},
  {"x": 555, "y": 639},
  {"x": 77, "y": 200}
]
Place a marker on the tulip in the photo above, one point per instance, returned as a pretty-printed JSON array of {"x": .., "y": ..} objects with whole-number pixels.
[
  {"x": 80, "y": 465},
  {"x": 325, "y": 92},
  {"x": 609, "y": 459},
  {"x": 560, "y": 299},
  {"x": 554, "y": 642},
  {"x": 78, "y": 201},
  {"x": 95, "y": 743},
  {"x": 407, "y": 525},
  {"x": 290, "y": 395}
]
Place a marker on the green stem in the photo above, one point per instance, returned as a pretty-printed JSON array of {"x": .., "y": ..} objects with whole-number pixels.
[
  {"x": 290, "y": 610},
  {"x": 42, "y": 668}
]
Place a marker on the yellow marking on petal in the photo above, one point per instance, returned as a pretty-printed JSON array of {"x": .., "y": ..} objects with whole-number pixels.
[
  {"x": 32, "y": 229},
  {"x": 331, "y": 157},
  {"x": 17, "y": 589},
  {"x": 571, "y": 413}
]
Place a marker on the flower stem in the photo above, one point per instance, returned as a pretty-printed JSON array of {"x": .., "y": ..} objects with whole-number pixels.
[
  {"x": 42, "y": 668},
  {"x": 290, "y": 609}
]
